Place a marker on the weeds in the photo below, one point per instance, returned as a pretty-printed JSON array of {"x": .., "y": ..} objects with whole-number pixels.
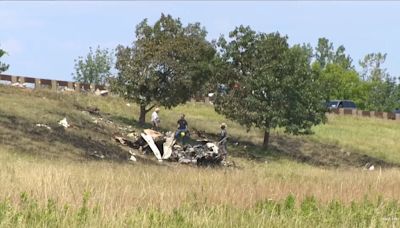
[{"x": 288, "y": 212}]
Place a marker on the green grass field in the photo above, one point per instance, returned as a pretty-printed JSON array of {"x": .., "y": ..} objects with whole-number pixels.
[{"x": 49, "y": 179}]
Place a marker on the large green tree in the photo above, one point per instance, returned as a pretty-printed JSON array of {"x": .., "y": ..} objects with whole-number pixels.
[
  {"x": 338, "y": 77},
  {"x": 270, "y": 84},
  {"x": 381, "y": 91},
  {"x": 95, "y": 67},
  {"x": 338, "y": 82},
  {"x": 166, "y": 65},
  {"x": 372, "y": 69},
  {"x": 3, "y": 66},
  {"x": 326, "y": 54}
]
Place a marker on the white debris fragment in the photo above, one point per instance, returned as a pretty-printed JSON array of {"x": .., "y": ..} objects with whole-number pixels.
[
  {"x": 213, "y": 147},
  {"x": 43, "y": 125},
  {"x": 66, "y": 89},
  {"x": 17, "y": 84},
  {"x": 371, "y": 168},
  {"x": 127, "y": 104},
  {"x": 131, "y": 135},
  {"x": 103, "y": 92},
  {"x": 99, "y": 92},
  {"x": 132, "y": 158},
  {"x": 64, "y": 123}
]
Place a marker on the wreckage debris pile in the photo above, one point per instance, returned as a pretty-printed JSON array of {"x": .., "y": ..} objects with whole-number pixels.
[
  {"x": 201, "y": 154},
  {"x": 165, "y": 148}
]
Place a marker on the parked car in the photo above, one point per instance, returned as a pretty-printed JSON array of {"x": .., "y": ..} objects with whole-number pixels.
[{"x": 345, "y": 104}]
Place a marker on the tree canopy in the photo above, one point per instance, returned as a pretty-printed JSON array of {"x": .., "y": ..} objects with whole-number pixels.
[
  {"x": 270, "y": 84},
  {"x": 3, "y": 66},
  {"x": 95, "y": 68},
  {"x": 166, "y": 64}
]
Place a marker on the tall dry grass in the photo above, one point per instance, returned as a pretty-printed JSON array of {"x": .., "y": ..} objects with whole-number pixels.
[{"x": 119, "y": 187}]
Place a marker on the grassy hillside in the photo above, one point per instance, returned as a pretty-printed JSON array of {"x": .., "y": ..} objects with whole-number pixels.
[{"x": 50, "y": 179}]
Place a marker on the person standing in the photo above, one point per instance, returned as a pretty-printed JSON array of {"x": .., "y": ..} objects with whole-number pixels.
[
  {"x": 223, "y": 136},
  {"x": 183, "y": 130},
  {"x": 155, "y": 119}
]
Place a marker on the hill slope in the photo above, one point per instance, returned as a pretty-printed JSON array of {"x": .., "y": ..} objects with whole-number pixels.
[
  {"x": 50, "y": 178},
  {"x": 343, "y": 141}
]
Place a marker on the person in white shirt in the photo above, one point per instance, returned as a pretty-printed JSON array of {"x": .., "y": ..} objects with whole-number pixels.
[{"x": 155, "y": 119}]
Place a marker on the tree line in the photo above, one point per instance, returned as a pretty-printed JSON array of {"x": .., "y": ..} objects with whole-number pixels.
[{"x": 259, "y": 80}]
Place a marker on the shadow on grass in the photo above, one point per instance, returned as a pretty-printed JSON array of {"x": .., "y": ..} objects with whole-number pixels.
[
  {"x": 24, "y": 136},
  {"x": 300, "y": 149}
]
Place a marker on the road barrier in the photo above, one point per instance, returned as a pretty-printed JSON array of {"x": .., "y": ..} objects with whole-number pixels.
[
  {"x": 37, "y": 83},
  {"x": 76, "y": 86},
  {"x": 361, "y": 113}
]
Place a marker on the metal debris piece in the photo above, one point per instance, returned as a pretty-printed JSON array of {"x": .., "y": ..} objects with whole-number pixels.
[
  {"x": 64, "y": 123},
  {"x": 97, "y": 155},
  {"x": 43, "y": 125},
  {"x": 132, "y": 158},
  {"x": 120, "y": 140},
  {"x": 132, "y": 135},
  {"x": 20, "y": 85},
  {"x": 154, "y": 134},
  {"x": 153, "y": 147},
  {"x": 101, "y": 92},
  {"x": 167, "y": 146},
  {"x": 163, "y": 146}
]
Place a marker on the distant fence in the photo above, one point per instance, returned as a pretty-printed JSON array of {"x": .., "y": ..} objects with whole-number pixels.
[
  {"x": 356, "y": 112},
  {"x": 76, "y": 86},
  {"x": 37, "y": 83}
]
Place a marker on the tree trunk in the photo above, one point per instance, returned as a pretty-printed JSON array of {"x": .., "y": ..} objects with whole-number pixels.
[
  {"x": 266, "y": 139},
  {"x": 142, "y": 115}
]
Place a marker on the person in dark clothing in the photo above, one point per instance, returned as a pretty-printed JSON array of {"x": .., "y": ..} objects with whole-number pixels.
[
  {"x": 223, "y": 136},
  {"x": 182, "y": 123},
  {"x": 183, "y": 130}
]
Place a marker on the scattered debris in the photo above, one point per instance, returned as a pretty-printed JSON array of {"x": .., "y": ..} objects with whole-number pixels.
[
  {"x": 167, "y": 146},
  {"x": 164, "y": 147},
  {"x": 97, "y": 155},
  {"x": 369, "y": 167},
  {"x": 64, "y": 123},
  {"x": 132, "y": 157},
  {"x": 127, "y": 104},
  {"x": 43, "y": 125},
  {"x": 66, "y": 89},
  {"x": 94, "y": 111},
  {"x": 19, "y": 85},
  {"x": 99, "y": 92},
  {"x": 120, "y": 140},
  {"x": 133, "y": 144},
  {"x": 154, "y": 134},
  {"x": 149, "y": 139},
  {"x": 132, "y": 135}
]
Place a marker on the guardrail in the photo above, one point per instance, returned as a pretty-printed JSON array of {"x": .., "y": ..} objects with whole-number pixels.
[
  {"x": 356, "y": 112},
  {"x": 50, "y": 83},
  {"x": 76, "y": 86}
]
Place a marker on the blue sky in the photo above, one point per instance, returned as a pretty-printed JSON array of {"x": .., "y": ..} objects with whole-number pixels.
[{"x": 44, "y": 38}]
